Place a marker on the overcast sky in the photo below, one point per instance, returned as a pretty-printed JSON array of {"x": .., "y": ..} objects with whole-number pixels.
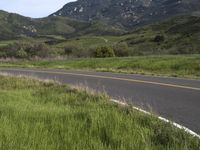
[{"x": 32, "y": 8}]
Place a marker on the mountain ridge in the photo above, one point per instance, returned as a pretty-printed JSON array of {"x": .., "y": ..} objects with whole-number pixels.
[
  {"x": 14, "y": 25},
  {"x": 128, "y": 13}
]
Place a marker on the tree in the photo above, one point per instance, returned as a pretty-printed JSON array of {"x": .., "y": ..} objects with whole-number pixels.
[
  {"x": 68, "y": 49},
  {"x": 159, "y": 38},
  {"x": 21, "y": 53},
  {"x": 104, "y": 51},
  {"x": 121, "y": 49},
  {"x": 40, "y": 50}
]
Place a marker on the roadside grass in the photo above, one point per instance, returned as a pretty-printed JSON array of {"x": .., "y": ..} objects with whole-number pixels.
[
  {"x": 167, "y": 65},
  {"x": 46, "y": 115}
]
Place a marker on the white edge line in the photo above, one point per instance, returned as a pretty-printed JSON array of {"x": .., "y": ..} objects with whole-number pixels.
[{"x": 160, "y": 118}]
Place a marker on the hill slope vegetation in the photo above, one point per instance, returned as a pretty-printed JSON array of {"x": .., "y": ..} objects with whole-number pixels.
[{"x": 14, "y": 25}]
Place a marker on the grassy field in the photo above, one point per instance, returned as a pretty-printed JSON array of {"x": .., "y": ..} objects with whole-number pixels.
[
  {"x": 45, "y": 115},
  {"x": 178, "y": 65}
]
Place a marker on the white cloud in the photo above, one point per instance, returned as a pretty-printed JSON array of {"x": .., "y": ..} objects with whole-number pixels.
[{"x": 32, "y": 8}]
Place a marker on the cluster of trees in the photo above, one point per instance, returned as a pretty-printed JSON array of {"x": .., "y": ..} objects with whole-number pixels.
[
  {"x": 24, "y": 50},
  {"x": 157, "y": 45},
  {"x": 41, "y": 50},
  {"x": 119, "y": 50}
]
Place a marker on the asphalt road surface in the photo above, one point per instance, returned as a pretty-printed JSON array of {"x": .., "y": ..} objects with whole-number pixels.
[{"x": 173, "y": 98}]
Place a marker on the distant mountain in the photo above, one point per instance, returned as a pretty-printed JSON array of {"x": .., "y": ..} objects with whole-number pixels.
[
  {"x": 128, "y": 13},
  {"x": 14, "y": 25}
]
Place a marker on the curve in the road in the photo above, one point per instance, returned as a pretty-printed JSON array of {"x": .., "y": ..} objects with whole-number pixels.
[
  {"x": 113, "y": 78},
  {"x": 175, "y": 99}
]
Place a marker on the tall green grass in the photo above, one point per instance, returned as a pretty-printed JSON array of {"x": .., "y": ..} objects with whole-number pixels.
[
  {"x": 178, "y": 65},
  {"x": 38, "y": 115}
]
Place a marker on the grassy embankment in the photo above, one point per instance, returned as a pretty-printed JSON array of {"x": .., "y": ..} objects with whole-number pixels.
[
  {"x": 179, "y": 65},
  {"x": 47, "y": 115}
]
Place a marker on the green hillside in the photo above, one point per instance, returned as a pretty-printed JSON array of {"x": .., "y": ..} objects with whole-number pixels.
[
  {"x": 178, "y": 35},
  {"x": 13, "y": 26},
  {"x": 68, "y": 37}
]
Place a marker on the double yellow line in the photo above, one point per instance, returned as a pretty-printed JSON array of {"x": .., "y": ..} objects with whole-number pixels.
[{"x": 108, "y": 77}]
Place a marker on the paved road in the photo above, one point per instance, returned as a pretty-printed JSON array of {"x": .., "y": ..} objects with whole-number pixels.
[{"x": 172, "y": 98}]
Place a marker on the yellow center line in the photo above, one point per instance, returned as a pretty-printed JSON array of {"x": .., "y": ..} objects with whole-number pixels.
[{"x": 113, "y": 78}]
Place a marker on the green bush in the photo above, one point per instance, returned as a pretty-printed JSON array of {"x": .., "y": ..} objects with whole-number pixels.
[
  {"x": 104, "y": 51},
  {"x": 2, "y": 54},
  {"x": 79, "y": 52},
  {"x": 183, "y": 48},
  {"x": 75, "y": 51},
  {"x": 159, "y": 38},
  {"x": 40, "y": 50},
  {"x": 25, "y": 50},
  {"x": 17, "y": 50},
  {"x": 68, "y": 49},
  {"x": 21, "y": 53},
  {"x": 121, "y": 49}
]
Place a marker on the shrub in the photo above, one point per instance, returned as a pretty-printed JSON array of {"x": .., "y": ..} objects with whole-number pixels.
[
  {"x": 18, "y": 50},
  {"x": 79, "y": 52},
  {"x": 183, "y": 48},
  {"x": 121, "y": 49},
  {"x": 68, "y": 49},
  {"x": 25, "y": 50},
  {"x": 2, "y": 54},
  {"x": 159, "y": 38},
  {"x": 21, "y": 53},
  {"x": 40, "y": 50},
  {"x": 104, "y": 51},
  {"x": 75, "y": 51}
]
